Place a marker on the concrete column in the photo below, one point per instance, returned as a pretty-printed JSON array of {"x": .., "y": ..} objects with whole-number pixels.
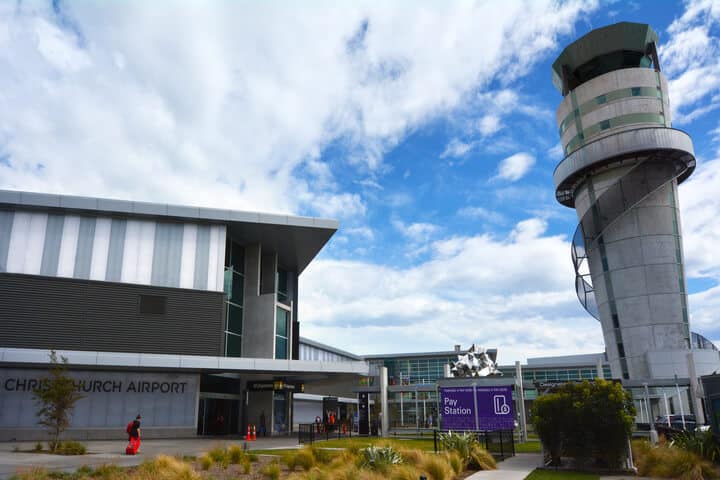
[
  {"x": 521, "y": 401},
  {"x": 385, "y": 424},
  {"x": 446, "y": 370},
  {"x": 695, "y": 391},
  {"x": 599, "y": 367}
]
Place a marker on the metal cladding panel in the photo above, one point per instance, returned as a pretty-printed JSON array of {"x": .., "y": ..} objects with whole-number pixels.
[{"x": 59, "y": 313}]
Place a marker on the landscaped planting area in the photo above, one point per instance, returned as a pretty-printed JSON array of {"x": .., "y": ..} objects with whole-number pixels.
[{"x": 389, "y": 460}]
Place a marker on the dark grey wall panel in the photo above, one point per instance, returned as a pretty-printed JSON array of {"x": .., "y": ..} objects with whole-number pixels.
[
  {"x": 51, "y": 248},
  {"x": 83, "y": 255},
  {"x": 116, "y": 250},
  {"x": 6, "y": 222},
  {"x": 61, "y": 313}
]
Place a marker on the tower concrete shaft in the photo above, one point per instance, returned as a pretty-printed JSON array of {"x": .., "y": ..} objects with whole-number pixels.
[{"x": 623, "y": 163}]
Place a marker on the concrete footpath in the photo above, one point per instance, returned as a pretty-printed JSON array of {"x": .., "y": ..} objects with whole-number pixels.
[
  {"x": 514, "y": 468},
  {"x": 113, "y": 452}
]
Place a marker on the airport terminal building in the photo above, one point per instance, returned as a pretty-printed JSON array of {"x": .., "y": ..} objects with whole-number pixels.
[{"x": 185, "y": 315}]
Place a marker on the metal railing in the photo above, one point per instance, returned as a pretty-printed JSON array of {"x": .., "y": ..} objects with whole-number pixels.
[
  {"x": 312, "y": 432},
  {"x": 500, "y": 443}
]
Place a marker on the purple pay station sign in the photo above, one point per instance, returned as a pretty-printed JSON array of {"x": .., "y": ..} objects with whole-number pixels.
[{"x": 477, "y": 408}]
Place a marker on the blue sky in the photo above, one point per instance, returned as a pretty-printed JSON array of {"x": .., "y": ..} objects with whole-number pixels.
[{"x": 428, "y": 129}]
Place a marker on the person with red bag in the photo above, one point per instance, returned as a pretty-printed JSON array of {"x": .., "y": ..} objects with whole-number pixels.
[{"x": 133, "y": 431}]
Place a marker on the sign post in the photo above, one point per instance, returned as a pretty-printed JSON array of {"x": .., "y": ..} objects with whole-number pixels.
[{"x": 483, "y": 408}]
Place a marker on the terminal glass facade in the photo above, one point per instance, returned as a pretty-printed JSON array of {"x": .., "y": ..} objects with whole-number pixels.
[
  {"x": 282, "y": 333},
  {"x": 235, "y": 291}
]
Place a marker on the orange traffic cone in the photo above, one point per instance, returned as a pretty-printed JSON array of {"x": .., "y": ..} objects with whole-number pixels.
[
  {"x": 247, "y": 437},
  {"x": 254, "y": 433}
]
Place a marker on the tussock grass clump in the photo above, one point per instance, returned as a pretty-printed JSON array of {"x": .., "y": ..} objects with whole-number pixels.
[
  {"x": 235, "y": 454},
  {"x": 481, "y": 459},
  {"x": 412, "y": 457},
  {"x": 404, "y": 472},
  {"x": 271, "y": 471},
  {"x": 670, "y": 462},
  {"x": 108, "y": 472},
  {"x": 456, "y": 463},
  {"x": 165, "y": 467},
  {"x": 220, "y": 456},
  {"x": 437, "y": 467},
  {"x": 33, "y": 474},
  {"x": 321, "y": 456},
  {"x": 206, "y": 462}
]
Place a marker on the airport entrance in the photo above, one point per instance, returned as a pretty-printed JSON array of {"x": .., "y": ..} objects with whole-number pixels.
[{"x": 218, "y": 416}]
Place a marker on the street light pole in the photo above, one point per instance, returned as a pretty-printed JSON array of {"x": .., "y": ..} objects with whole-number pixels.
[{"x": 653, "y": 432}]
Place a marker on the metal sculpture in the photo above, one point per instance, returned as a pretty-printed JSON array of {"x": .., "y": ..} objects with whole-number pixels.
[{"x": 474, "y": 363}]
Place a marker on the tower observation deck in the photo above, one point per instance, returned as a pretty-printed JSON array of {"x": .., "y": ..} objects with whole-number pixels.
[{"x": 623, "y": 162}]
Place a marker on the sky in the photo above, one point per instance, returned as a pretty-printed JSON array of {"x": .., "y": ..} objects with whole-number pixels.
[{"x": 426, "y": 128}]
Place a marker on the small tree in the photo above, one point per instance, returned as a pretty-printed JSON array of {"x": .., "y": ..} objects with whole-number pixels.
[
  {"x": 586, "y": 421},
  {"x": 56, "y": 396}
]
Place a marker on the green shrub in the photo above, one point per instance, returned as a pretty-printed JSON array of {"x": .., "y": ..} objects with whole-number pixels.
[
  {"x": 271, "y": 471},
  {"x": 587, "y": 421},
  {"x": 70, "y": 447},
  {"x": 668, "y": 461},
  {"x": 252, "y": 457},
  {"x": 246, "y": 465},
  {"x": 462, "y": 443},
  {"x": 38, "y": 446},
  {"x": 206, "y": 462},
  {"x": 379, "y": 458},
  {"x": 703, "y": 444}
]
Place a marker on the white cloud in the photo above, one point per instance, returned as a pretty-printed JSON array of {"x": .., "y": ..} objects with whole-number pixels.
[
  {"x": 221, "y": 103},
  {"x": 488, "y": 124},
  {"x": 690, "y": 58},
  {"x": 515, "y": 167},
  {"x": 491, "y": 216},
  {"x": 456, "y": 148},
  {"x": 342, "y": 205},
  {"x": 514, "y": 293},
  {"x": 366, "y": 233},
  {"x": 699, "y": 205}
]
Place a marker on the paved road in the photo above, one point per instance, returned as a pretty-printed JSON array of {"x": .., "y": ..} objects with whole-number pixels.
[{"x": 106, "y": 452}]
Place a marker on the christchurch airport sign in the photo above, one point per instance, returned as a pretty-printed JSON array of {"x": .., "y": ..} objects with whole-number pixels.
[{"x": 477, "y": 408}]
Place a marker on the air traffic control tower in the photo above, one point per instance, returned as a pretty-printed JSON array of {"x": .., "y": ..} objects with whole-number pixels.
[{"x": 622, "y": 166}]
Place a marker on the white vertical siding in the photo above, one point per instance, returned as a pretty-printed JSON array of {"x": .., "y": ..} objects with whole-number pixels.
[
  {"x": 26, "y": 243},
  {"x": 101, "y": 246},
  {"x": 216, "y": 261},
  {"x": 68, "y": 245},
  {"x": 187, "y": 261}
]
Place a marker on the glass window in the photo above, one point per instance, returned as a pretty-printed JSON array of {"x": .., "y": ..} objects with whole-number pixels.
[
  {"x": 233, "y": 345},
  {"x": 235, "y": 317},
  {"x": 237, "y": 257},
  {"x": 282, "y": 286},
  {"x": 635, "y": 91},
  {"x": 601, "y": 99},
  {"x": 281, "y": 334},
  {"x": 281, "y": 345},
  {"x": 605, "y": 124}
]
